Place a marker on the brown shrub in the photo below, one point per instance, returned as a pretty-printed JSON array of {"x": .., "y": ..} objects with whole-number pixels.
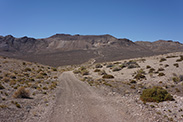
[{"x": 22, "y": 93}]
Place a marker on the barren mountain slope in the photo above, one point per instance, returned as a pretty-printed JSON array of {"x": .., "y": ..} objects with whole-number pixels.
[{"x": 65, "y": 49}]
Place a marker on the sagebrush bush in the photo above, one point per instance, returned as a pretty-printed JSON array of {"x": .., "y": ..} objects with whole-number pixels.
[
  {"x": 97, "y": 70},
  {"x": 155, "y": 94},
  {"x": 98, "y": 66},
  {"x": 140, "y": 74},
  {"x": 21, "y": 93},
  {"x": 107, "y": 76},
  {"x": 161, "y": 74},
  {"x": 162, "y": 59},
  {"x": 176, "y": 65}
]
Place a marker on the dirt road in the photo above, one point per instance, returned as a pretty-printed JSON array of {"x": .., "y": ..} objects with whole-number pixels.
[{"x": 78, "y": 102}]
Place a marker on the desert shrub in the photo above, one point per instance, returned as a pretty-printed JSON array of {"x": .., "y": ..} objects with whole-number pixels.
[
  {"x": 132, "y": 64},
  {"x": 161, "y": 74},
  {"x": 166, "y": 65},
  {"x": 133, "y": 81},
  {"x": 177, "y": 79},
  {"x": 16, "y": 104},
  {"x": 98, "y": 66},
  {"x": 76, "y": 71},
  {"x": 1, "y": 86},
  {"x": 43, "y": 73},
  {"x": 140, "y": 74},
  {"x": 102, "y": 72},
  {"x": 109, "y": 65},
  {"x": 181, "y": 59},
  {"x": 107, "y": 76},
  {"x": 3, "y": 106},
  {"x": 162, "y": 59},
  {"x": 27, "y": 69},
  {"x": 155, "y": 94},
  {"x": 181, "y": 77},
  {"x": 116, "y": 69},
  {"x": 176, "y": 65},
  {"x": 178, "y": 60},
  {"x": 171, "y": 56},
  {"x": 97, "y": 70},
  {"x": 161, "y": 69},
  {"x": 39, "y": 76},
  {"x": 21, "y": 93},
  {"x": 54, "y": 69},
  {"x": 151, "y": 70},
  {"x": 148, "y": 67},
  {"x": 85, "y": 72}
]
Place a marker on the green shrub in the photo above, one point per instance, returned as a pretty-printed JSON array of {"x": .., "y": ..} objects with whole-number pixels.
[
  {"x": 108, "y": 76},
  {"x": 155, "y": 94},
  {"x": 162, "y": 59},
  {"x": 147, "y": 67}
]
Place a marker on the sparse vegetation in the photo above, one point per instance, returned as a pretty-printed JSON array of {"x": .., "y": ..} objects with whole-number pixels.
[
  {"x": 176, "y": 65},
  {"x": 98, "y": 66},
  {"x": 107, "y": 76},
  {"x": 140, "y": 74},
  {"x": 155, "y": 94},
  {"x": 162, "y": 59},
  {"x": 161, "y": 74},
  {"x": 22, "y": 93}
]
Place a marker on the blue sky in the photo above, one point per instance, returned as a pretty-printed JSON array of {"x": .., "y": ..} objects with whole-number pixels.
[{"x": 147, "y": 20}]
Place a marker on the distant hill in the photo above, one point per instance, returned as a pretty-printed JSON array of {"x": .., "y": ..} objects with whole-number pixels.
[{"x": 65, "y": 49}]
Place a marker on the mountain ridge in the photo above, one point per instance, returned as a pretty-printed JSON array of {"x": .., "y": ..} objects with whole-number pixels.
[{"x": 66, "y": 49}]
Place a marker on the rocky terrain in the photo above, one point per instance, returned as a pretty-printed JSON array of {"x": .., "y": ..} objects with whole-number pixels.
[
  {"x": 108, "y": 91},
  {"x": 128, "y": 79},
  {"x": 26, "y": 89},
  {"x": 65, "y": 49}
]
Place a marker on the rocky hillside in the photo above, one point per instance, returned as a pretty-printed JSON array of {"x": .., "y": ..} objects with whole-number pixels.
[{"x": 65, "y": 49}]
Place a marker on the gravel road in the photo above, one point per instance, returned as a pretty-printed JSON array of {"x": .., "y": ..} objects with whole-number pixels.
[{"x": 79, "y": 102}]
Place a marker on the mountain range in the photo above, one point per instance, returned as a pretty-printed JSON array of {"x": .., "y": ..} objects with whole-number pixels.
[{"x": 66, "y": 49}]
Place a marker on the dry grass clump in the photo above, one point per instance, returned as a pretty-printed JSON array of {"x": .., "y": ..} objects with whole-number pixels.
[
  {"x": 107, "y": 76},
  {"x": 162, "y": 59},
  {"x": 21, "y": 93},
  {"x": 155, "y": 94}
]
